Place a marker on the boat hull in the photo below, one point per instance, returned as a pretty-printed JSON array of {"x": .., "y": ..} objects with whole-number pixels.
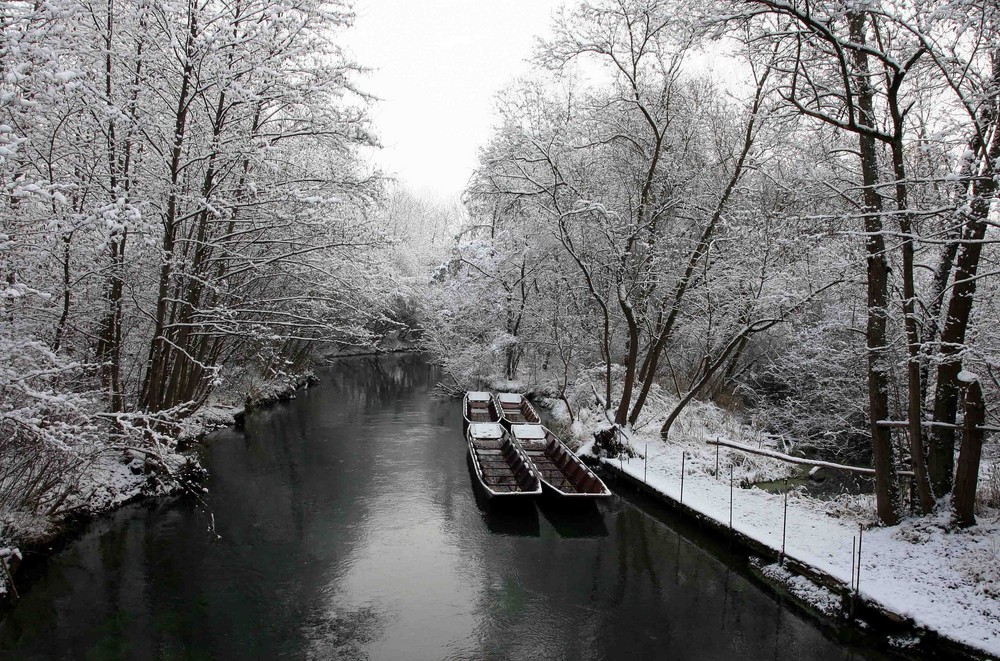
[
  {"x": 493, "y": 496},
  {"x": 515, "y": 409},
  {"x": 562, "y": 473},
  {"x": 499, "y": 465},
  {"x": 479, "y": 407}
]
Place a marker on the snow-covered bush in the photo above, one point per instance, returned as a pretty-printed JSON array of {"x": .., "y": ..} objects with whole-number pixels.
[
  {"x": 48, "y": 431},
  {"x": 988, "y": 495},
  {"x": 811, "y": 387}
]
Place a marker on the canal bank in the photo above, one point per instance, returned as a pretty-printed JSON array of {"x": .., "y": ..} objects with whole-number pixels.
[
  {"x": 823, "y": 594},
  {"x": 124, "y": 480}
]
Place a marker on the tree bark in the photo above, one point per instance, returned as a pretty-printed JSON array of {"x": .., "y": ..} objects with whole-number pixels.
[
  {"x": 967, "y": 476},
  {"x": 878, "y": 287},
  {"x": 914, "y": 392},
  {"x": 157, "y": 365},
  {"x": 621, "y": 415},
  {"x": 982, "y": 190}
]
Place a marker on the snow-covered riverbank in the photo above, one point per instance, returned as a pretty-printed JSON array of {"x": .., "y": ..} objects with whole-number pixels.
[
  {"x": 942, "y": 580},
  {"x": 114, "y": 478}
]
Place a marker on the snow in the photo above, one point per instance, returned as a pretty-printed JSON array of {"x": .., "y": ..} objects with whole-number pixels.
[
  {"x": 485, "y": 430},
  {"x": 966, "y": 376},
  {"x": 943, "y": 579},
  {"x": 509, "y": 398},
  {"x": 528, "y": 432},
  {"x": 817, "y": 596},
  {"x": 114, "y": 479},
  {"x": 478, "y": 396},
  {"x": 210, "y": 416}
]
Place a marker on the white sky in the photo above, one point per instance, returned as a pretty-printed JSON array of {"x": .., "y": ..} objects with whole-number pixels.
[{"x": 438, "y": 66}]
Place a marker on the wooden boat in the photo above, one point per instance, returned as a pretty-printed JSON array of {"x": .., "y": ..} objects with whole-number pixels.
[
  {"x": 500, "y": 465},
  {"x": 480, "y": 407},
  {"x": 515, "y": 409},
  {"x": 560, "y": 470}
]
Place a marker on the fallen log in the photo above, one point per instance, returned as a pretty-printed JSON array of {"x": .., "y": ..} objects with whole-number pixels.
[{"x": 781, "y": 456}]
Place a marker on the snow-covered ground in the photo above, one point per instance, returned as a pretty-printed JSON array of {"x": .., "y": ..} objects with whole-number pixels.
[{"x": 944, "y": 579}]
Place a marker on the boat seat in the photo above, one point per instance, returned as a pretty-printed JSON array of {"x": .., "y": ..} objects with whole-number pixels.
[
  {"x": 501, "y": 482},
  {"x": 493, "y": 464}
]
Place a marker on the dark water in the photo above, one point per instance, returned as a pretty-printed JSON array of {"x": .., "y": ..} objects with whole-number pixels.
[{"x": 350, "y": 529}]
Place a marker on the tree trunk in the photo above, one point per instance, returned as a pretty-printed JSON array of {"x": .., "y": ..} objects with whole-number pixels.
[
  {"x": 621, "y": 415},
  {"x": 67, "y": 239},
  {"x": 967, "y": 477},
  {"x": 914, "y": 392},
  {"x": 982, "y": 190},
  {"x": 878, "y": 289},
  {"x": 157, "y": 365},
  {"x": 942, "y": 274},
  {"x": 711, "y": 367}
]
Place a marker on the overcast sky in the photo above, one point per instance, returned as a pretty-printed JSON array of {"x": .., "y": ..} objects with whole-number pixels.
[{"x": 439, "y": 64}]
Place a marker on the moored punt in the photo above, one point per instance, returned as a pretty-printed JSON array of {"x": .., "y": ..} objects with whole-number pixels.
[
  {"x": 480, "y": 407},
  {"x": 560, "y": 469},
  {"x": 500, "y": 465},
  {"x": 515, "y": 409}
]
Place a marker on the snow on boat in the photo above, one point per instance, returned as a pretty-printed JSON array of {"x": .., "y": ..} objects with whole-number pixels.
[
  {"x": 501, "y": 466},
  {"x": 480, "y": 407},
  {"x": 517, "y": 410},
  {"x": 560, "y": 469}
]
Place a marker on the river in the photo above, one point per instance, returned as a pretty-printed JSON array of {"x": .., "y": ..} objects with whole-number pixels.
[{"x": 347, "y": 527}]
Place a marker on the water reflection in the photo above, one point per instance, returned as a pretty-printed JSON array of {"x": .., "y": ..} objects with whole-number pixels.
[
  {"x": 504, "y": 516},
  {"x": 350, "y": 528},
  {"x": 573, "y": 518}
]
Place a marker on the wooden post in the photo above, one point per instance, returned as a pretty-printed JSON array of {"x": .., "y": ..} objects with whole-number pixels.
[
  {"x": 683, "y": 460},
  {"x": 730, "y": 497},
  {"x": 857, "y": 580},
  {"x": 784, "y": 524},
  {"x": 717, "y": 458},
  {"x": 854, "y": 550},
  {"x": 967, "y": 475}
]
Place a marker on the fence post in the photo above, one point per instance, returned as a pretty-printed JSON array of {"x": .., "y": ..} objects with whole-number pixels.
[
  {"x": 857, "y": 581},
  {"x": 645, "y": 460},
  {"x": 730, "y": 496},
  {"x": 716, "y": 457},
  {"x": 784, "y": 523},
  {"x": 854, "y": 548},
  {"x": 683, "y": 461}
]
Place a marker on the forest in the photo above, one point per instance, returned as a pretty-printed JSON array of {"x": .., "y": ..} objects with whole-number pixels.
[
  {"x": 184, "y": 209},
  {"x": 784, "y": 207}
]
